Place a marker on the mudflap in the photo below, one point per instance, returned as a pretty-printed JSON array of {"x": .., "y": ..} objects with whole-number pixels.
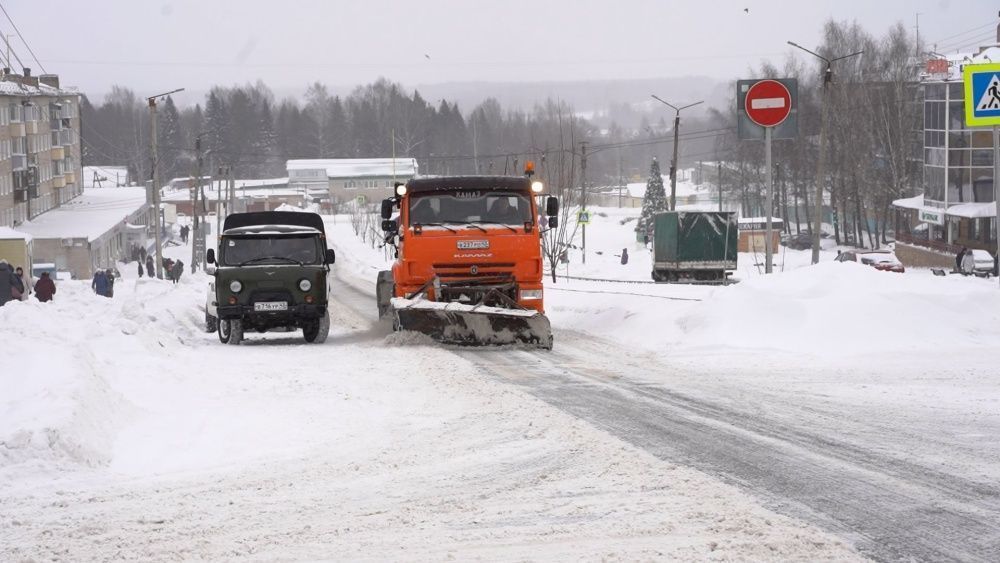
[{"x": 473, "y": 326}]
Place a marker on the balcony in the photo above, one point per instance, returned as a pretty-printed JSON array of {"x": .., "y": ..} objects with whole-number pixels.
[
  {"x": 70, "y": 178},
  {"x": 19, "y": 161},
  {"x": 31, "y": 127},
  {"x": 59, "y": 181},
  {"x": 20, "y": 196},
  {"x": 16, "y": 130},
  {"x": 66, "y": 137},
  {"x": 57, "y": 153}
]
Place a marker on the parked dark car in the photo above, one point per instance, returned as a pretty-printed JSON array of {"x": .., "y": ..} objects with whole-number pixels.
[
  {"x": 884, "y": 260},
  {"x": 801, "y": 241}
]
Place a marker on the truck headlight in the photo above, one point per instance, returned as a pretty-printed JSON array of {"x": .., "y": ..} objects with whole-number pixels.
[
  {"x": 531, "y": 294},
  {"x": 305, "y": 285},
  {"x": 235, "y": 286}
]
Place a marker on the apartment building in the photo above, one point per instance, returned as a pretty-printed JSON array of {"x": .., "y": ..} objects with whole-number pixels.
[{"x": 39, "y": 146}]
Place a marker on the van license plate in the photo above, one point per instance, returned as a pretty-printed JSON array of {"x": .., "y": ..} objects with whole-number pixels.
[{"x": 270, "y": 306}]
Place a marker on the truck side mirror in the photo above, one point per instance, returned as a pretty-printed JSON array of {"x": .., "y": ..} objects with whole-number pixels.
[
  {"x": 210, "y": 256},
  {"x": 552, "y": 206},
  {"x": 387, "y": 205},
  {"x": 389, "y": 225},
  {"x": 553, "y": 222},
  {"x": 331, "y": 256}
]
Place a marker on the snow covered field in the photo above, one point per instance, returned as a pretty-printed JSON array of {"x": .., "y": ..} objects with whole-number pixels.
[{"x": 127, "y": 433}]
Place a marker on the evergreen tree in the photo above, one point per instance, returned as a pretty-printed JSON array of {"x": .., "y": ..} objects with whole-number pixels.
[
  {"x": 170, "y": 139},
  {"x": 265, "y": 143},
  {"x": 217, "y": 126},
  {"x": 655, "y": 199}
]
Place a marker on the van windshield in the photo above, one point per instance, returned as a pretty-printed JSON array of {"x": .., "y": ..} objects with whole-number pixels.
[
  {"x": 462, "y": 207},
  {"x": 270, "y": 250}
]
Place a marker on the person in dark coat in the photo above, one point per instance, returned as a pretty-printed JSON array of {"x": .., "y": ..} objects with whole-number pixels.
[
  {"x": 958, "y": 258},
  {"x": 45, "y": 288},
  {"x": 150, "y": 267},
  {"x": 140, "y": 269},
  {"x": 7, "y": 282},
  {"x": 142, "y": 253},
  {"x": 111, "y": 282},
  {"x": 176, "y": 270},
  {"x": 624, "y": 256},
  {"x": 100, "y": 283}
]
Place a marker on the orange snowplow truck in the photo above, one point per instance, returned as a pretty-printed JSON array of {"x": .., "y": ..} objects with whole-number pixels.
[{"x": 468, "y": 267}]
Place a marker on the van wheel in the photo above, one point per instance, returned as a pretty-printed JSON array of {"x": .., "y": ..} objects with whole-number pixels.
[
  {"x": 211, "y": 323},
  {"x": 316, "y": 332},
  {"x": 231, "y": 332}
]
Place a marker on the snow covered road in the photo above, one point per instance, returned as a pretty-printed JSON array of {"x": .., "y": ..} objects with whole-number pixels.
[{"x": 131, "y": 435}]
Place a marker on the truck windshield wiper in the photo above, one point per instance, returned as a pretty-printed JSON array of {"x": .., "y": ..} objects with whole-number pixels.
[
  {"x": 512, "y": 229},
  {"x": 260, "y": 258},
  {"x": 469, "y": 224},
  {"x": 434, "y": 225}
]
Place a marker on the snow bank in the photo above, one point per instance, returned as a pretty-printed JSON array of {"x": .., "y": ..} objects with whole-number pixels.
[{"x": 59, "y": 407}]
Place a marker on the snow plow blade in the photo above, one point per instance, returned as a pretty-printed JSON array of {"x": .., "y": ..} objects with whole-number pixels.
[{"x": 472, "y": 325}]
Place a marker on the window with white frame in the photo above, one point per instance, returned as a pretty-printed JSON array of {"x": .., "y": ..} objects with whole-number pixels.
[
  {"x": 19, "y": 145},
  {"x": 14, "y": 112}
]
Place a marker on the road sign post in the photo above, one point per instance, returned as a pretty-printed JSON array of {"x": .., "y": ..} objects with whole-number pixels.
[
  {"x": 982, "y": 108},
  {"x": 768, "y": 103}
]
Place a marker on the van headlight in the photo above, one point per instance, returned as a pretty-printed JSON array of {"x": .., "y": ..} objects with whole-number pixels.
[
  {"x": 531, "y": 294},
  {"x": 305, "y": 285},
  {"x": 235, "y": 286}
]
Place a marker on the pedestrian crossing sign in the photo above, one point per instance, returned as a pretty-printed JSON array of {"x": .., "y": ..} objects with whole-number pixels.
[
  {"x": 583, "y": 217},
  {"x": 982, "y": 94}
]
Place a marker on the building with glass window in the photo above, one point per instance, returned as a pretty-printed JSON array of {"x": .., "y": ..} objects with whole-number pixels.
[
  {"x": 957, "y": 207},
  {"x": 39, "y": 146},
  {"x": 340, "y": 180}
]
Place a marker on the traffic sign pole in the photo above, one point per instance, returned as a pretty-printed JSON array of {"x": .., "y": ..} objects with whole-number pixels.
[
  {"x": 996, "y": 185},
  {"x": 768, "y": 103},
  {"x": 769, "y": 202}
]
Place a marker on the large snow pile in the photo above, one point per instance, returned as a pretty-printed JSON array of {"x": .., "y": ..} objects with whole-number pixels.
[{"x": 58, "y": 406}]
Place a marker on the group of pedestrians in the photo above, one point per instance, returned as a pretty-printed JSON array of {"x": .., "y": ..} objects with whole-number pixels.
[
  {"x": 15, "y": 284},
  {"x": 104, "y": 283}
]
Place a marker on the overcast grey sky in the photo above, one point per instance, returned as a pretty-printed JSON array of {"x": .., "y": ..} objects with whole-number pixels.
[{"x": 157, "y": 45}]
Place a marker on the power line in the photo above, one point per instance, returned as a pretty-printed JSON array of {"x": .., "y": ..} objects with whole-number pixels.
[
  {"x": 973, "y": 41},
  {"x": 975, "y": 29},
  {"x": 22, "y": 41}
]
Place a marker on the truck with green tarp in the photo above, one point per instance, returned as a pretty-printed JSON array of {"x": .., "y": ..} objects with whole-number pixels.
[{"x": 694, "y": 246}]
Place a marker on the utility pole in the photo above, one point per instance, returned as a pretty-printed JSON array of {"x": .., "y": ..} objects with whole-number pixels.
[
  {"x": 217, "y": 185},
  {"x": 673, "y": 164},
  {"x": 156, "y": 180},
  {"x": 195, "y": 211},
  {"x": 583, "y": 186},
  {"x": 719, "y": 163},
  {"x": 821, "y": 158},
  {"x": 621, "y": 178}
]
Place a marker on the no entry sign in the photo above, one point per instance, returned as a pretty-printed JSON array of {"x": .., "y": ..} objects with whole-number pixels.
[{"x": 768, "y": 103}]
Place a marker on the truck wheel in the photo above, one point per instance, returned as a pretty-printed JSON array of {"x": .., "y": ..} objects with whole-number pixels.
[
  {"x": 316, "y": 333},
  {"x": 211, "y": 323},
  {"x": 231, "y": 332}
]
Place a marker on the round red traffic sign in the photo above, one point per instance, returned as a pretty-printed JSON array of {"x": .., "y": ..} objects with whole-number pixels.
[{"x": 768, "y": 103}]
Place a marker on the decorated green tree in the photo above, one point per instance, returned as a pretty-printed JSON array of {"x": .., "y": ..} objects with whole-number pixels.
[{"x": 654, "y": 201}]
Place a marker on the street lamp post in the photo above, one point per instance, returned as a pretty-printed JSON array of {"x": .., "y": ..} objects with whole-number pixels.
[
  {"x": 673, "y": 164},
  {"x": 821, "y": 159},
  {"x": 156, "y": 179}
]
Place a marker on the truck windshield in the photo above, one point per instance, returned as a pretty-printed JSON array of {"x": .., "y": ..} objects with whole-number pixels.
[
  {"x": 503, "y": 208},
  {"x": 270, "y": 250}
]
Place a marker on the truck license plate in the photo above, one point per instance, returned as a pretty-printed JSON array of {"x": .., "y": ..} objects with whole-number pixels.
[
  {"x": 473, "y": 244},
  {"x": 270, "y": 306}
]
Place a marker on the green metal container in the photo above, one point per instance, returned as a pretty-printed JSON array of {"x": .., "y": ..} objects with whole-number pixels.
[{"x": 695, "y": 245}]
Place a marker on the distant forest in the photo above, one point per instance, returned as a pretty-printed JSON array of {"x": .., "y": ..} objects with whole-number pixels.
[{"x": 872, "y": 105}]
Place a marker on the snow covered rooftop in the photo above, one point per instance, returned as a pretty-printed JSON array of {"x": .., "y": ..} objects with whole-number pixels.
[
  {"x": 109, "y": 176},
  {"x": 88, "y": 216},
  {"x": 357, "y": 167},
  {"x": 7, "y": 233},
  {"x": 957, "y": 60},
  {"x": 12, "y": 88}
]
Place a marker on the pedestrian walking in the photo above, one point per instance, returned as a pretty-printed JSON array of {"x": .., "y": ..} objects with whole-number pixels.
[
  {"x": 100, "y": 283},
  {"x": 25, "y": 283},
  {"x": 176, "y": 270},
  {"x": 7, "y": 282},
  {"x": 142, "y": 253},
  {"x": 150, "y": 267},
  {"x": 111, "y": 283},
  {"x": 958, "y": 258},
  {"x": 45, "y": 288},
  {"x": 624, "y": 256},
  {"x": 968, "y": 263},
  {"x": 140, "y": 268}
]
